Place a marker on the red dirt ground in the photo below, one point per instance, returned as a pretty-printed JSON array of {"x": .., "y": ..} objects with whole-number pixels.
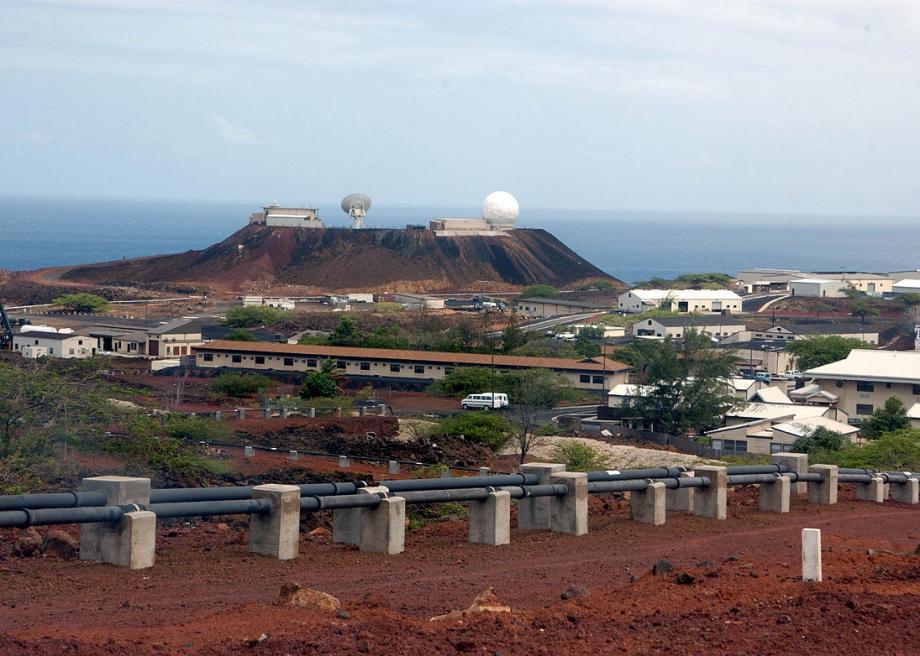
[{"x": 208, "y": 595}]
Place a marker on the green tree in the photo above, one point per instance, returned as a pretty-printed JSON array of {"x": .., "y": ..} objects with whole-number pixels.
[
  {"x": 540, "y": 291},
  {"x": 863, "y": 309},
  {"x": 240, "y": 385},
  {"x": 889, "y": 418},
  {"x": 240, "y": 335},
  {"x": 687, "y": 381},
  {"x": 249, "y": 316},
  {"x": 585, "y": 348},
  {"x": 899, "y": 450},
  {"x": 82, "y": 302},
  {"x": 547, "y": 347},
  {"x": 531, "y": 393},
  {"x": 512, "y": 338},
  {"x": 462, "y": 381},
  {"x": 819, "y": 440},
  {"x": 318, "y": 384},
  {"x": 818, "y": 351},
  {"x": 484, "y": 428},
  {"x": 347, "y": 332}
]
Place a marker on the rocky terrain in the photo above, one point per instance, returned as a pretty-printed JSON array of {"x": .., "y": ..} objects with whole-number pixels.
[{"x": 259, "y": 257}]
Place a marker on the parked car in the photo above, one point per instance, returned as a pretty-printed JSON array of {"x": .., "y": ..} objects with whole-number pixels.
[
  {"x": 484, "y": 401},
  {"x": 566, "y": 337}
]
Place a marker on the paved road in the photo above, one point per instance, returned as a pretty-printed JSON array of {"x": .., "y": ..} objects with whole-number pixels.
[
  {"x": 539, "y": 325},
  {"x": 758, "y": 302}
]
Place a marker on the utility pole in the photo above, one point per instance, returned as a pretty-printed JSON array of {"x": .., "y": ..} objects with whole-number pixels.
[{"x": 492, "y": 352}]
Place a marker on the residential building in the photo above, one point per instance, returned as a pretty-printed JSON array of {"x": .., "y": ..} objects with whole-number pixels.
[
  {"x": 873, "y": 284},
  {"x": 761, "y": 356},
  {"x": 35, "y": 344},
  {"x": 774, "y": 433},
  {"x": 865, "y": 379},
  {"x": 167, "y": 339},
  {"x": 818, "y": 287},
  {"x": 676, "y": 327},
  {"x": 601, "y": 329},
  {"x": 539, "y": 308},
  {"x": 393, "y": 365},
  {"x": 704, "y": 301},
  {"x": 806, "y": 330}
]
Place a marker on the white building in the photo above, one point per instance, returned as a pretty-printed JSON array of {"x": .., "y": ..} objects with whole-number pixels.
[
  {"x": 704, "y": 301},
  {"x": 41, "y": 343},
  {"x": 286, "y": 217},
  {"x": 907, "y": 286},
  {"x": 818, "y": 287},
  {"x": 677, "y": 327}
]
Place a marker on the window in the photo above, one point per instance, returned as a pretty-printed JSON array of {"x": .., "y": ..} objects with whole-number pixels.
[
  {"x": 235, "y": 358},
  {"x": 916, "y": 390},
  {"x": 260, "y": 359},
  {"x": 839, "y": 383},
  {"x": 395, "y": 368},
  {"x": 864, "y": 386},
  {"x": 419, "y": 368},
  {"x": 310, "y": 363},
  {"x": 289, "y": 362},
  {"x": 340, "y": 364},
  {"x": 208, "y": 357},
  {"x": 584, "y": 378},
  {"x": 597, "y": 380},
  {"x": 864, "y": 408},
  {"x": 717, "y": 445},
  {"x": 71, "y": 351},
  {"x": 365, "y": 366}
]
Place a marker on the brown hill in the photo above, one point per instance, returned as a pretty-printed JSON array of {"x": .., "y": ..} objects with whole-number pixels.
[{"x": 259, "y": 257}]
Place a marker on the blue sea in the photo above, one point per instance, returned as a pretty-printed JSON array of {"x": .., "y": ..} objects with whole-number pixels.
[{"x": 633, "y": 246}]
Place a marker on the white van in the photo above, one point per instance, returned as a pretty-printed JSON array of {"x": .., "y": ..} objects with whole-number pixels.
[{"x": 484, "y": 401}]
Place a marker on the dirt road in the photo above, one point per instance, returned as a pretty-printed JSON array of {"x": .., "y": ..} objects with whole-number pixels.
[{"x": 208, "y": 595}]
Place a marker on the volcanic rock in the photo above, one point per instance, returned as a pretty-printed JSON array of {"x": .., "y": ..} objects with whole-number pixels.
[{"x": 294, "y": 595}]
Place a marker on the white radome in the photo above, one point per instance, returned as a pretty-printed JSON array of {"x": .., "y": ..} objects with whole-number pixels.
[{"x": 500, "y": 209}]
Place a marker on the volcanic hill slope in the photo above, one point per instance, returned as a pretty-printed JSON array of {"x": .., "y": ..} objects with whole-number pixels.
[{"x": 259, "y": 257}]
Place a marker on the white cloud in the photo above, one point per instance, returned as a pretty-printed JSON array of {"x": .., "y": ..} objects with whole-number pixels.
[{"x": 233, "y": 133}]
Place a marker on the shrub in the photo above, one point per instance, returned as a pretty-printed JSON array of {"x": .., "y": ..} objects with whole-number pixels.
[
  {"x": 579, "y": 457},
  {"x": 483, "y": 428},
  {"x": 318, "y": 384},
  {"x": 240, "y": 385},
  {"x": 240, "y": 335},
  {"x": 540, "y": 291},
  {"x": 198, "y": 429},
  {"x": 463, "y": 381},
  {"x": 819, "y": 440},
  {"x": 82, "y": 302},
  {"x": 247, "y": 316},
  {"x": 893, "y": 451}
]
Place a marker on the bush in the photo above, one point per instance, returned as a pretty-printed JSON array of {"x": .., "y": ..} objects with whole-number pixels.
[
  {"x": 579, "y": 457},
  {"x": 893, "y": 451},
  {"x": 240, "y": 335},
  {"x": 198, "y": 429},
  {"x": 463, "y": 381},
  {"x": 247, "y": 316},
  {"x": 819, "y": 440},
  {"x": 82, "y": 302},
  {"x": 540, "y": 291},
  {"x": 488, "y": 429},
  {"x": 318, "y": 384},
  {"x": 240, "y": 385}
]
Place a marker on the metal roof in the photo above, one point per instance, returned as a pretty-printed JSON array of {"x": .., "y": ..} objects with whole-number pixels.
[
  {"x": 865, "y": 364},
  {"x": 691, "y": 321}
]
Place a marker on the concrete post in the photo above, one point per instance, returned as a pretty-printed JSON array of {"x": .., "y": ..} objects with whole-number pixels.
[
  {"x": 338, "y": 412},
  {"x": 484, "y": 471},
  {"x": 680, "y": 498},
  {"x": 343, "y": 462},
  {"x": 797, "y": 463},
  {"x": 569, "y": 514},
  {"x": 248, "y": 451},
  {"x": 533, "y": 513},
  {"x": 312, "y": 413},
  {"x": 241, "y": 413},
  {"x": 774, "y": 497},
  {"x": 873, "y": 491},
  {"x": 711, "y": 501},
  {"x": 383, "y": 529},
  {"x": 906, "y": 492},
  {"x": 362, "y": 411},
  {"x": 284, "y": 412},
  {"x": 825, "y": 492},
  {"x": 381, "y": 409},
  {"x": 276, "y": 533},
  {"x": 811, "y": 554},
  {"x": 129, "y": 542},
  {"x": 294, "y": 455},
  {"x": 490, "y": 520},
  {"x": 346, "y": 522},
  {"x": 393, "y": 467},
  {"x": 217, "y": 415},
  {"x": 648, "y": 506},
  {"x": 446, "y": 473}
]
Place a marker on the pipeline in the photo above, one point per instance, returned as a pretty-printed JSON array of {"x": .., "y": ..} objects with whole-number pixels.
[
  {"x": 202, "y": 508},
  {"x": 416, "y": 484},
  {"x": 44, "y": 516},
  {"x": 52, "y": 500},
  {"x": 740, "y": 470},
  {"x": 637, "y": 485},
  {"x": 633, "y": 474}
]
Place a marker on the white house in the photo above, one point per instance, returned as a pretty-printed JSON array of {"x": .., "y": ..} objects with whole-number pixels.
[
  {"x": 677, "y": 327},
  {"x": 704, "y": 301},
  {"x": 818, "y": 287},
  {"x": 907, "y": 286},
  {"x": 42, "y": 343}
]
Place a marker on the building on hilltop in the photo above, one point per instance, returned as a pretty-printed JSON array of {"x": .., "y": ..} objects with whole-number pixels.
[{"x": 286, "y": 217}]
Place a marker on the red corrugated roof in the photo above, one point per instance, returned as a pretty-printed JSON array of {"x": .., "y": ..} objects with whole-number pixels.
[{"x": 441, "y": 357}]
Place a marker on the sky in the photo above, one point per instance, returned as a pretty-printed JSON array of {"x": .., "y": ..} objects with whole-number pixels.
[{"x": 771, "y": 106}]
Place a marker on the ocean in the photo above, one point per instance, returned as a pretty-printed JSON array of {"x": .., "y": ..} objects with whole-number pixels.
[{"x": 633, "y": 246}]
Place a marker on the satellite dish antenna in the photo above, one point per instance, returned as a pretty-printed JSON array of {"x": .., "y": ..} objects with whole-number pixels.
[{"x": 356, "y": 206}]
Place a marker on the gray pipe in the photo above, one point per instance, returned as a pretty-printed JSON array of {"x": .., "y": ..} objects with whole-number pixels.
[
  {"x": 634, "y": 474},
  {"x": 80, "y": 515},
  {"x": 52, "y": 500},
  {"x": 741, "y": 470},
  {"x": 417, "y": 484},
  {"x": 854, "y": 478},
  {"x": 204, "y": 508}
]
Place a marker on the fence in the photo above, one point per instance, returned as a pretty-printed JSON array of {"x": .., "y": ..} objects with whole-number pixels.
[{"x": 682, "y": 444}]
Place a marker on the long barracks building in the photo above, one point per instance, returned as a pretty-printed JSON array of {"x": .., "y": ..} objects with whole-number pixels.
[{"x": 396, "y": 365}]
